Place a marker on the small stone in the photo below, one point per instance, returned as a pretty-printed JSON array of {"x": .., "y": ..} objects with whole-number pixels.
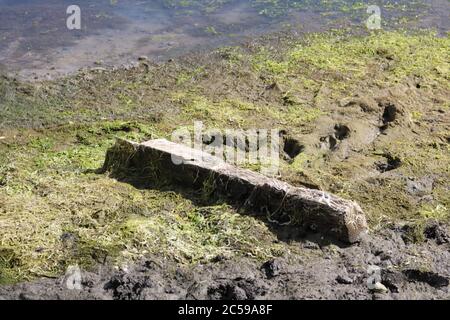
[
  {"x": 238, "y": 293},
  {"x": 143, "y": 58},
  {"x": 344, "y": 280},
  {"x": 379, "y": 287},
  {"x": 311, "y": 245},
  {"x": 272, "y": 268}
]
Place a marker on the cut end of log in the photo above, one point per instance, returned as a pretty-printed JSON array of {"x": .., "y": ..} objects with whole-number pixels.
[
  {"x": 164, "y": 162},
  {"x": 356, "y": 223}
]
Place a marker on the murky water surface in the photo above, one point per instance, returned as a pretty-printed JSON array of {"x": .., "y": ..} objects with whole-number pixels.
[{"x": 36, "y": 42}]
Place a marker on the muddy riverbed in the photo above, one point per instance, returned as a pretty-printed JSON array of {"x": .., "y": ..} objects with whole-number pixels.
[
  {"x": 364, "y": 115},
  {"x": 324, "y": 271}
]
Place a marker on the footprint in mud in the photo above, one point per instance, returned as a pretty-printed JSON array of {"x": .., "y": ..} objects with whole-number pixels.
[
  {"x": 341, "y": 131},
  {"x": 330, "y": 142},
  {"x": 390, "y": 113},
  {"x": 215, "y": 139},
  {"x": 292, "y": 148},
  {"x": 390, "y": 164}
]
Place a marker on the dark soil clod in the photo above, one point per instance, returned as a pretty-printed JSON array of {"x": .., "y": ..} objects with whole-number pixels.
[
  {"x": 344, "y": 280},
  {"x": 237, "y": 289},
  {"x": 392, "y": 280},
  {"x": 437, "y": 233},
  {"x": 272, "y": 268},
  {"x": 128, "y": 287}
]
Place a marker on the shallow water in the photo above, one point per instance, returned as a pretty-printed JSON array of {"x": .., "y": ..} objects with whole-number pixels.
[{"x": 36, "y": 42}]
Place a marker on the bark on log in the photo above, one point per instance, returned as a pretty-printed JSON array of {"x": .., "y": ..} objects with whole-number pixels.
[{"x": 158, "y": 161}]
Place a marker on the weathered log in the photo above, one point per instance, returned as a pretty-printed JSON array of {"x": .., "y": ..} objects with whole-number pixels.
[{"x": 161, "y": 161}]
